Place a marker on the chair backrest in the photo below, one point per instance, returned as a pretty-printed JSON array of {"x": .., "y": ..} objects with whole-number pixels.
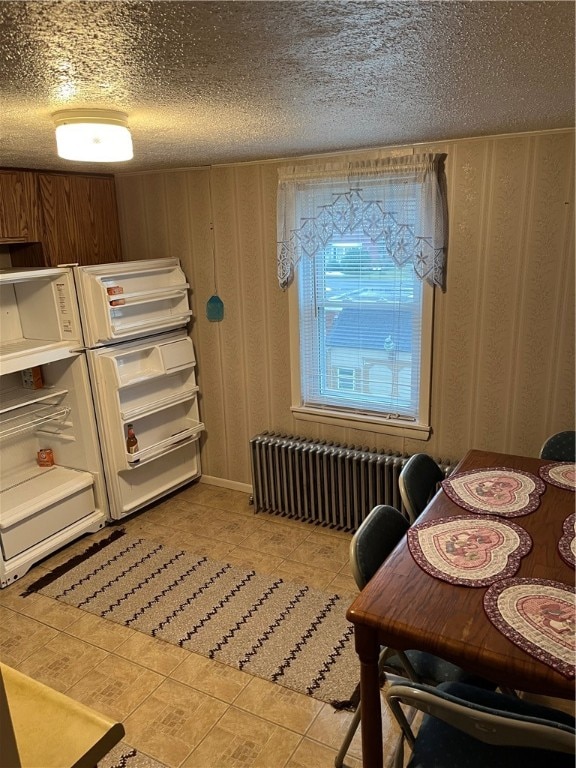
[
  {"x": 492, "y": 726},
  {"x": 418, "y": 480},
  {"x": 376, "y": 537},
  {"x": 560, "y": 447}
]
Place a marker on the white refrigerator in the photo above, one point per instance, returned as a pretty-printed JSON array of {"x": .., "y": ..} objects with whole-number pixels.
[
  {"x": 104, "y": 359},
  {"x": 45, "y": 410},
  {"x": 142, "y": 368}
]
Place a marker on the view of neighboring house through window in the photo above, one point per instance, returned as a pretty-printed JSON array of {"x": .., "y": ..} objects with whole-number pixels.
[
  {"x": 364, "y": 314},
  {"x": 360, "y": 329}
]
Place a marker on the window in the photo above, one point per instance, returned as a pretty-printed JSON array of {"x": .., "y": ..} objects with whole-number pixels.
[
  {"x": 346, "y": 379},
  {"x": 362, "y": 314}
]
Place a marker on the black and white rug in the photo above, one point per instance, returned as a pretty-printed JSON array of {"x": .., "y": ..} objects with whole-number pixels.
[
  {"x": 125, "y": 756},
  {"x": 287, "y": 633}
]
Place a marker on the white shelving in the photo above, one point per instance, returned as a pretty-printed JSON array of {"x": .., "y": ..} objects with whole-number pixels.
[
  {"x": 145, "y": 297},
  {"x": 24, "y": 410},
  {"x": 153, "y": 406},
  {"x": 42, "y": 506},
  {"x": 162, "y": 447},
  {"x": 42, "y": 488},
  {"x": 40, "y": 321},
  {"x": 20, "y": 396},
  {"x": 122, "y": 325}
]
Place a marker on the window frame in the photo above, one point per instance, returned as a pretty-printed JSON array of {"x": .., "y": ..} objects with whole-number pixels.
[{"x": 347, "y": 418}]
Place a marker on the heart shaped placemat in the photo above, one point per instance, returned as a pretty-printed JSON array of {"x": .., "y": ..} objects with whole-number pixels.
[
  {"x": 496, "y": 491},
  {"x": 562, "y": 474},
  {"x": 539, "y": 616},
  {"x": 567, "y": 543},
  {"x": 469, "y": 550}
]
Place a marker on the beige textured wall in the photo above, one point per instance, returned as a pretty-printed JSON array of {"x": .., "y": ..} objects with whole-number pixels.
[{"x": 503, "y": 375}]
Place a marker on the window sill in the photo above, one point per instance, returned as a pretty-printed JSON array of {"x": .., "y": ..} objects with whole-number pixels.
[{"x": 363, "y": 421}]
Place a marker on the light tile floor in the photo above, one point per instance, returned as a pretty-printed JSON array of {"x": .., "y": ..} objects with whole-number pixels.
[{"x": 180, "y": 708}]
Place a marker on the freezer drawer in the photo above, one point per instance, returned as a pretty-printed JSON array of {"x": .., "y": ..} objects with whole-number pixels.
[
  {"x": 33, "y": 511},
  {"x": 128, "y": 300}
]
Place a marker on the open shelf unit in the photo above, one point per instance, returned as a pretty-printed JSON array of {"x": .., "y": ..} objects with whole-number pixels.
[{"x": 23, "y": 410}]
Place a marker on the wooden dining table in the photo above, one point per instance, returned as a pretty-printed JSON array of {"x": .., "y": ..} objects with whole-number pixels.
[{"x": 403, "y": 607}]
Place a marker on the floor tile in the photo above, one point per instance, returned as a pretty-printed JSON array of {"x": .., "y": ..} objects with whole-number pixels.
[
  {"x": 48, "y": 611},
  {"x": 330, "y": 726},
  {"x": 241, "y": 740},
  {"x": 21, "y": 636},
  {"x": 214, "y": 496},
  {"x": 310, "y": 754},
  {"x": 153, "y": 654},
  {"x": 97, "y": 631},
  {"x": 182, "y": 539},
  {"x": 323, "y": 550},
  {"x": 229, "y": 527},
  {"x": 11, "y": 596},
  {"x": 261, "y": 562},
  {"x": 116, "y": 686},
  {"x": 181, "y": 709},
  {"x": 344, "y": 585},
  {"x": 278, "y": 704},
  {"x": 162, "y": 534},
  {"x": 124, "y": 754},
  {"x": 275, "y": 539},
  {"x": 62, "y": 662},
  {"x": 211, "y": 677},
  {"x": 188, "y": 516},
  {"x": 172, "y": 721},
  {"x": 290, "y": 570}
]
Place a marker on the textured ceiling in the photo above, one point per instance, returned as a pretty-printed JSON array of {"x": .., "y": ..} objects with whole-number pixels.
[{"x": 215, "y": 82}]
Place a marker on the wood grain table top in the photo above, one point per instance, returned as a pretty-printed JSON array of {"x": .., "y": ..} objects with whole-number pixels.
[{"x": 410, "y": 609}]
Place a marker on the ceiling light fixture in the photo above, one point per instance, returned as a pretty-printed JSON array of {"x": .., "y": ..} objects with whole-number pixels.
[{"x": 93, "y": 135}]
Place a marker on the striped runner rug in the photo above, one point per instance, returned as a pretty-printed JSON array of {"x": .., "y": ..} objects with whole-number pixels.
[
  {"x": 125, "y": 756},
  {"x": 287, "y": 633}
]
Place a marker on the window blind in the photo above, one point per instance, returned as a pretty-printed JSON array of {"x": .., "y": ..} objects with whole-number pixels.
[{"x": 360, "y": 314}]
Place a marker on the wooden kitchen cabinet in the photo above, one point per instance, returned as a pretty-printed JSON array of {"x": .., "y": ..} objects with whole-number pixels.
[
  {"x": 19, "y": 213},
  {"x": 74, "y": 215},
  {"x": 80, "y": 219}
]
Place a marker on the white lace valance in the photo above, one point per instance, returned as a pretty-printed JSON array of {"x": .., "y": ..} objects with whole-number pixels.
[{"x": 379, "y": 199}]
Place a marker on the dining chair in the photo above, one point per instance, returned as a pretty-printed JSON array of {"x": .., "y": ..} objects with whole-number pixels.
[
  {"x": 560, "y": 447},
  {"x": 374, "y": 540},
  {"x": 418, "y": 481},
  {"x": 468, "y": 726}
]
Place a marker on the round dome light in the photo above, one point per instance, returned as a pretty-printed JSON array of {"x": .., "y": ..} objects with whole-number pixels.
[{"x": 93, "y": 135}]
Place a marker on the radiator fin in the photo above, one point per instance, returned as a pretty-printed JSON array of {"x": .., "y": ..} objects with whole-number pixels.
[{"x": 325, "y": 483}]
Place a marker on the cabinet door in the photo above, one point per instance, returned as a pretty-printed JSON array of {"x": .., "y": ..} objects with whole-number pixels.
[
  {"x": 80, "y": 219},
  {"x": 19, "y": 219}
]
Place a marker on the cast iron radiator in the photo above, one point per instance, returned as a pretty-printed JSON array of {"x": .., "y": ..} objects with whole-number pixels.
[{"x": 325, "y": 483}]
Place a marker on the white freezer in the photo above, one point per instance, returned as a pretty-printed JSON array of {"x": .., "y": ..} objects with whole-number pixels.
[
  {"x": 44, "y": 508},
  {"x": 150, "y": 383},
  {"x": 132, "y": 299}
]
